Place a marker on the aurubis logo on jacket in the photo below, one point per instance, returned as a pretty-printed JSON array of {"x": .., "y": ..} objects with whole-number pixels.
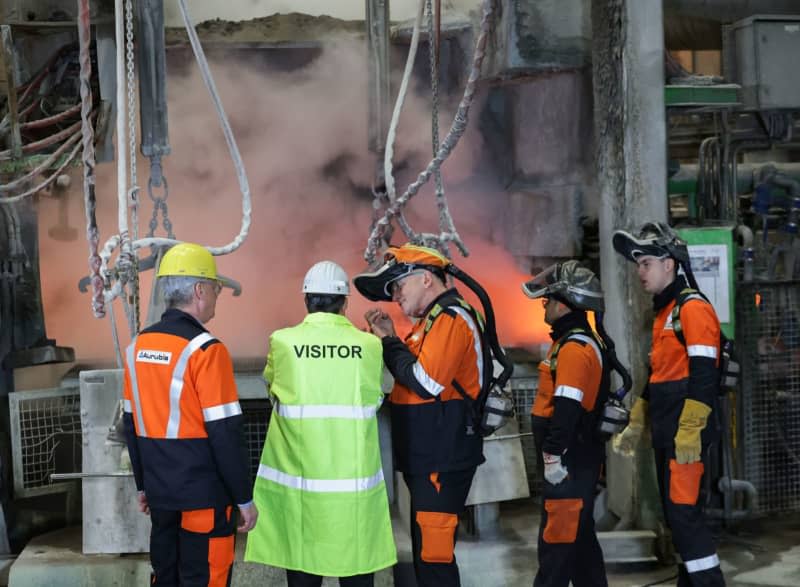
[{"x": 158, "y": 357}]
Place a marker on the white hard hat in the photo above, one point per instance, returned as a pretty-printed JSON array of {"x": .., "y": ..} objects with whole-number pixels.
[{"x": 327, "y": 277}]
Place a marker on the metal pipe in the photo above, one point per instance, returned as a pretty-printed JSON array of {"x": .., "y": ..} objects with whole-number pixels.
[
  {"x": 39, "y": 145},
  {"x": 728, "y": 10},
  {"x": 153, "y": 85},
  {"x": 50, "y": 120},
  {"x": 70, "y": 476},
  {"x": 687, "y": 178},
  {"x": 727, "y": 485}
]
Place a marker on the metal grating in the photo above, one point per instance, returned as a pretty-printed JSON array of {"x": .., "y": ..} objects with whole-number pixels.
[
  {"x": 256, "y": 415},
  {"x": 768, "y": 340},
  {"x": 523, "y": 390},
  {"x": 45, "y": 438}
]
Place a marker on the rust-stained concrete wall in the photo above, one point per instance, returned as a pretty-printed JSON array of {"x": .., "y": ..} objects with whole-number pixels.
[{"x": 631, "y": 161}]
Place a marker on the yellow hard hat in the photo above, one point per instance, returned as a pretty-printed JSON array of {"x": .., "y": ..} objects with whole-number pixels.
[{"x": 188, "y": 260}]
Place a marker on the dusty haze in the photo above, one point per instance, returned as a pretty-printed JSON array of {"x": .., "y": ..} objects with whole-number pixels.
[{"x": 303, "y": 140}]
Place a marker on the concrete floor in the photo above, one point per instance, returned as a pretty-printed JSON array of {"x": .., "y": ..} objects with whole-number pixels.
[{"x": 759, "y": 553}]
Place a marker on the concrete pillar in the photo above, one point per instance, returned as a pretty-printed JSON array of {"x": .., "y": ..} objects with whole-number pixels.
[{"x": 630, "y": 142}]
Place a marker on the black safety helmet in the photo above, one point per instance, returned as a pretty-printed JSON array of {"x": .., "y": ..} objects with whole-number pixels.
[
  {"x": 400, "y": 262},
  {"x": 655, "y": 239},
  {"x": 570, "y": 283}
]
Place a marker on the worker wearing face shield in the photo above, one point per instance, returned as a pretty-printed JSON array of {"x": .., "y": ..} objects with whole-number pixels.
[
  {"x": 320, "y": 476},
  {"x": 680, "y": 396},
  {"x": 573, "y": 388},
  {"x": 438, "y": 371}
]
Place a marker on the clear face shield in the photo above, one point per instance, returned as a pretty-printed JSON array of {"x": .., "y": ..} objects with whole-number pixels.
[{"x": 539, "y": 286}]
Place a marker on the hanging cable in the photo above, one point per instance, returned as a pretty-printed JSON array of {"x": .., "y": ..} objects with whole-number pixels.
[
  {"x": 388, "y": 166},
  {"x": 21, "y": 181},
  {"x": 447, "y": 229},
  {"x": 44, "y": 143},
  {"x": 46, "y": 182},
  {"x": 113, "y": 242},
  {"x": 457, "y": 129},
  {"x": 226, "y": 130},
  {"x": 122, "y": 240},
  {"x": 88, "y": 157}
]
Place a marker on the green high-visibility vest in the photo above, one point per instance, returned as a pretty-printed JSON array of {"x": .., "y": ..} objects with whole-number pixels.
[{"x": 320, "y": 491}]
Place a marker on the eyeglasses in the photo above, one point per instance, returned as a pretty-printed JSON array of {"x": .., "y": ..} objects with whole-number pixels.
[{"x": 398, "y": 284}]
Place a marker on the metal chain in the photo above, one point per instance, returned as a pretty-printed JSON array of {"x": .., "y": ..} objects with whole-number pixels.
[
  {"x": 131, "y": 82},
  {"x": 159, "y": 204},
  {"x": 133, "y": 191}
]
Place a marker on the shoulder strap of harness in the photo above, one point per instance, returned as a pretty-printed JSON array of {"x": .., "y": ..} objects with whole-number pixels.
[
  {"x": 684, "y": 296},
  {"x": 566, "y": 338},
  {"x": 446, "y": 303},
  {"x": 589, "y": 419},
  {"x": 442, "y": 307}
]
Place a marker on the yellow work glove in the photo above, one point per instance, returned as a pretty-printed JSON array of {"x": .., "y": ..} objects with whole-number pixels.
[
  {"x": 690, "y": 425},
  {"x": 625, "y": 442}
]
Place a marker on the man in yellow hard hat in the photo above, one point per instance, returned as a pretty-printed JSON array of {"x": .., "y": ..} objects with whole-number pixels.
[
  {"x": 439, "y": 373},
  {"x": 183, "y": 427}
]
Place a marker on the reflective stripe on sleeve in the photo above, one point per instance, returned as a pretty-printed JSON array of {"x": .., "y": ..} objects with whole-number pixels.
[
  {"x": 326, "y": 411},
  {"x": 432, "y": 386},
  {"x": 702, "y": 564},
  {"x": 126, "y": 406},
  {"x": 222, "y": 411},
  {"x": 176, "y": 385},
  {"x": 569, "y": 392},
  {"x": 320, "y": 485},
  {"x": 702, "y": 350},
  {"x": 131, "y": 352}
]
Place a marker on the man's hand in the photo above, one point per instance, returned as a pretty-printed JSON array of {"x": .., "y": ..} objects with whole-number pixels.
[
  {"x": 142, "y": 499},
  {"x": 380, "y": 324},
  {"x": 554, "y": 471},
  {"x": 248, "y": 514}
]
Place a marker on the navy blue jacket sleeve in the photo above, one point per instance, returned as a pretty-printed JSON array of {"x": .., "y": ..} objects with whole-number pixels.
[
  {"x": 400, "y": 362},
  {"x": 226, "y": 437},
  {"x": 133, "y": 451}
]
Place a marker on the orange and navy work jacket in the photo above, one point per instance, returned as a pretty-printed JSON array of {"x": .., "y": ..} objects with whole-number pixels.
[
  {"x": 182, "y": 417},
  {"x": 572, "y": 388},
  {"x": 433, "y": 429},
  {"x": 681, "y": 371}
]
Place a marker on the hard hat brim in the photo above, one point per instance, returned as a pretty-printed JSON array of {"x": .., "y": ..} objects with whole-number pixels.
[
  {"x": 375, "y": 286},
  {"x": 632, "y": 248}
]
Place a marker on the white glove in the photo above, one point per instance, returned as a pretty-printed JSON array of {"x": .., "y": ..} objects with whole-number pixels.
[{"x": 554, "y": 471}]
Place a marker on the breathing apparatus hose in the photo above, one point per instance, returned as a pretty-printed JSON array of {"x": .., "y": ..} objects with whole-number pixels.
[
  {"x": 687, "y": 270},
  {"x": 490, "y": 324},
  {"x": 627, "y": 381}
]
